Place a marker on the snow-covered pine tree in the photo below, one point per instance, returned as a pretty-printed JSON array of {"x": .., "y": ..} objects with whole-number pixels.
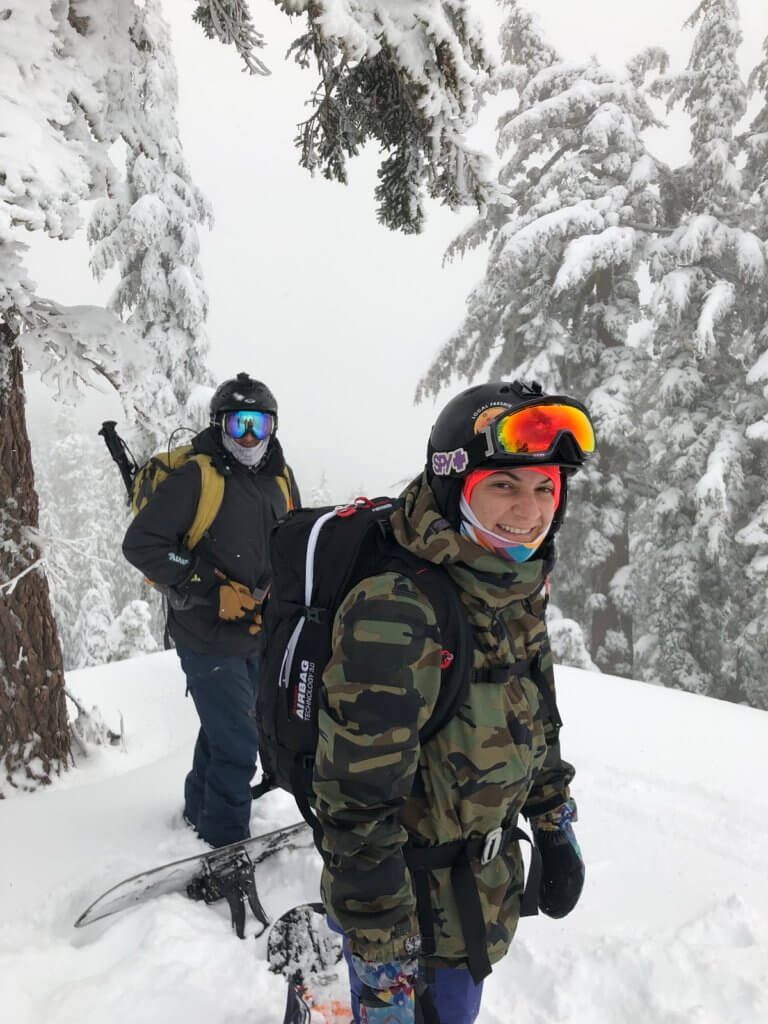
[
  {"x": 407, "y": 76},
  {"x": 44, "y": 173},
  {"x": 566, "y": 639},
  {"x": 56, "y": 73},
  {"x": 320, "y": 494},
  {"x": 64, "y": 503},
  {"x": 693, "y": 597},
  {"x": 756, "y": 150},
  {"x": 83, "y": 515},
  {"x": 752, "y": 640},
  {"x": 131, "y": 633},
  {"x": 560, "y": 295},
  {"x": 147, "y": 226}
]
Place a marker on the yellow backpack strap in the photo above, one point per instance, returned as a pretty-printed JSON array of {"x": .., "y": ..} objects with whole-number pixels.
[
  {"x": 154, "y": 472},
  {"x": 211, "y": 497},
  {"x": 284, "y": 483}
]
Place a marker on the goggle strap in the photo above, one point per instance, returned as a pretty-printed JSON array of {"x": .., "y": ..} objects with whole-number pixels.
[{"x": 482, "y": 449}]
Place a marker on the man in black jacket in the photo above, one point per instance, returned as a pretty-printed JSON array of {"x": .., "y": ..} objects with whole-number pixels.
[{"x": 215, "y": 593}]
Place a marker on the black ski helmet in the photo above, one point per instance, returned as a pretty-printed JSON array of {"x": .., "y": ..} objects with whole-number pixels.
[
  {"x": 242, "y": 392},
  {"x": 457, "y": 444}
]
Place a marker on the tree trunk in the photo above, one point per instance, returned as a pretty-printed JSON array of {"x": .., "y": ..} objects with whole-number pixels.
[{"x": 34, "y": 735}]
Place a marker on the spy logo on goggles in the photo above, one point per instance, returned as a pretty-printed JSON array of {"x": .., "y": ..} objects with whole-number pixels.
[
  {"x": 538, "y": 429},
  {"x": 237, "y": 424},
  {"x": 445, "y": 463}
]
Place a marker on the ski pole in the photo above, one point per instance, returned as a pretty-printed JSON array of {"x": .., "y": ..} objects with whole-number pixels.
[{"x": 119, "y": 451}]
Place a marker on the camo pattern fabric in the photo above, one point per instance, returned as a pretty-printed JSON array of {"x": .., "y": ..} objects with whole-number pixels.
[{"x": 377, "y": 787}]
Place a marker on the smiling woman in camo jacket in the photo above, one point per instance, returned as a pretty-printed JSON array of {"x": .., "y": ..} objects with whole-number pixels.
[{"x": 423, "y": 872}]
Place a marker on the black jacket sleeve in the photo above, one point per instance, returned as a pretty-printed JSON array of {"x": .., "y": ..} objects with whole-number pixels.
[{"x": 154, "y": 542}]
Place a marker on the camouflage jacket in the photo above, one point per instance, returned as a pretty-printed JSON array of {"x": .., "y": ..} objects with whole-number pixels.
[{"x": 377, "y": 787}]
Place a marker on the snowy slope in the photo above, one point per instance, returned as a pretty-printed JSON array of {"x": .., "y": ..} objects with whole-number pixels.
[{"x": 672, "y": 927}]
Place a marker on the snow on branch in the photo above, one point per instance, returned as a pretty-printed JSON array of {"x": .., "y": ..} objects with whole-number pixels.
[
  {"x": 715, "y": 490},
  {"x": 68, "y": 345},
  {"x": 652, "y": 58},
  {"x": 717, "y": 304},
  {"x": 89, "y": 727},
  {"x": 538, "y": 235},
  {"x": 755, "y": 533},
  {"x": 524, "y": 48},
  {"x": 733, "y": 253},
  {"x": 16, "y": 288},
  {"x": 759, "y": 372},
  {"x": 8, "y": 586},
  {"x": 588, "y": 253}
]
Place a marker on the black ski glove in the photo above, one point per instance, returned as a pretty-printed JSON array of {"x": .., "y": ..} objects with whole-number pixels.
[
  {"x": 199, "y": 587},
  {"x": 562, "y": 876}
]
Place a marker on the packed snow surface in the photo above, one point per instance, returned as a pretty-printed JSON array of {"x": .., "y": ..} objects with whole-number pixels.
[{"x": 672, "y": 927}]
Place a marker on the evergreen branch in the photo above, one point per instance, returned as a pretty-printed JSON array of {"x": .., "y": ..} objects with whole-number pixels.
[
  {"x": 417, "y": 115},
  {"x": 535, "y": 174},
  {"x": 114, "y": 738},
  {"x": 327, "y": 134},
  {"x": 230, "y": 22},
  {"x": 719, "y": 272},
  {"x": 652, "y": 57},
  {"x": 79, "y": 707},
  {"x": 102, "y": 371}
]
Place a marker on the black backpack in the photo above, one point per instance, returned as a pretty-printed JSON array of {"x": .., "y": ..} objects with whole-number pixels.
[{"x": 317, "y": 556}]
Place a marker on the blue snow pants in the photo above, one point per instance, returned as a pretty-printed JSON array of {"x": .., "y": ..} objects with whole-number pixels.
[
  {"x": 217, "y": 791},
  {"x": 456, "y": 996}
]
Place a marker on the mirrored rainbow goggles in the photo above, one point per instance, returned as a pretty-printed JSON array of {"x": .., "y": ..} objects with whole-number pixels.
[
  {"x": 539, "y": 429},
  {"x": 237, "y": 424}
]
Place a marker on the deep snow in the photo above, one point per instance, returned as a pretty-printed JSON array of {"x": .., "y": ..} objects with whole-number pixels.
[{"x": 672, "y": 927}]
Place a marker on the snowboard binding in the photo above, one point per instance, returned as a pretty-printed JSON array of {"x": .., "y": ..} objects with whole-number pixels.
[{"x": 230, "y": 876}]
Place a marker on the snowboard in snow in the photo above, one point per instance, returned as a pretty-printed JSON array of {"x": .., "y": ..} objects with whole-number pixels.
[
  {"x": 302, "y": 948},
  {"x": 226, "y": 873}
]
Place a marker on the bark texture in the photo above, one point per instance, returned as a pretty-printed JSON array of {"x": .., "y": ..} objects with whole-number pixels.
[{"x": 34, "y": 734}]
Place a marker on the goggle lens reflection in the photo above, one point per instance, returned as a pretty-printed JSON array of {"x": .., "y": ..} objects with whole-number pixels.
[
  {"x": 535, "y": 429},
  {"x": 237, "y": 424}
]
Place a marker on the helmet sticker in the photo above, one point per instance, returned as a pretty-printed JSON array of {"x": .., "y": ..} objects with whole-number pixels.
[
  {"x": 482, "y": 417},
  {"x": 445, "y": 463}
]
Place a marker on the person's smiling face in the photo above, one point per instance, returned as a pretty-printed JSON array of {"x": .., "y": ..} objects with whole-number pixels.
[{"x": 515, "y": 503}]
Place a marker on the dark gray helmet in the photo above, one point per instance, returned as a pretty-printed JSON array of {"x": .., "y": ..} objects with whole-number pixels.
[{"x": 242, "y": 392}]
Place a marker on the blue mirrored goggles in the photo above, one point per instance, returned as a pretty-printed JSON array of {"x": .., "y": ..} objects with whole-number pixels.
[{"x": 237, "y": 424}]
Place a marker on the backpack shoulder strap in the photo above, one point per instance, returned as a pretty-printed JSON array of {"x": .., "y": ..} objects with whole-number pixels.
[
  {"x": 211, "y": 497},
  {"x": 283, "y": 481},
  {"x": 454, "y": 631},
  {"x": 153, "y": 472}
]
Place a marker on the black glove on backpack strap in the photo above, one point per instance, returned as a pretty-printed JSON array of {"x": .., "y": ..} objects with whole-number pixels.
[{"x": 562, "y": 876}]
